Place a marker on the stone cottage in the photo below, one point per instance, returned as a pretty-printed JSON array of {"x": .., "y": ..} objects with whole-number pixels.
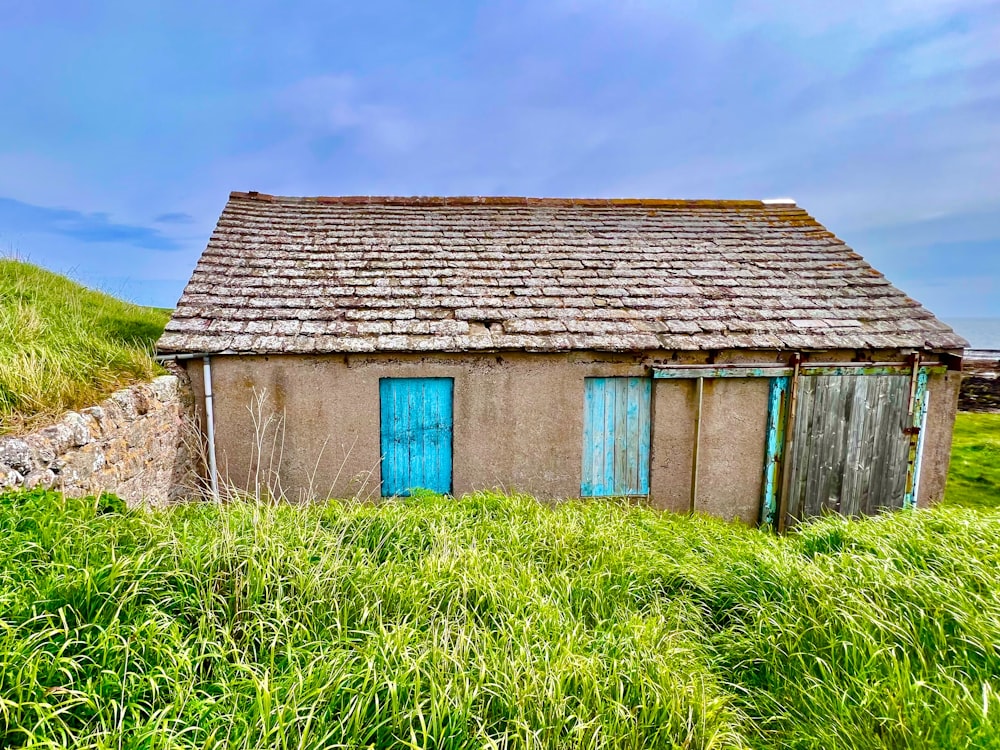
[{"x": 727, "y": 357}]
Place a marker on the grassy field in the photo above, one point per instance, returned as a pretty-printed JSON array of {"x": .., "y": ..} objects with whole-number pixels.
[
  {"x": 486, "y": 621},
  {"x": 492, "y": 621},
  {"x": 974, "y": 474},
  {"x": 63, "y": 346}
]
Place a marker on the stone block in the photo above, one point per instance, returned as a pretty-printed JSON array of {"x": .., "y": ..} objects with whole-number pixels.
[
  {"x": 115, "y": 451},
  {"x": 76, "y": 468},
  {"x": 9, "y": 478},
  {"x": 95, "y": 418},
  {"x": 16, "y": 453},
  {"x": 58, "y": 439},
  {"x": 127, "y": 402},
  {"x": 45, "y": 478},
  {"x": 165, "y": 388},
  {"x": 114, "y": 416},
  {"x": 42, "y": 451},
  {"x": 79, "y": 428}
]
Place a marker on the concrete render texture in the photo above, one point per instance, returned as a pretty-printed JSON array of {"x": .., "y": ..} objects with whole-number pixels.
[{"x": 308, "y": 426}]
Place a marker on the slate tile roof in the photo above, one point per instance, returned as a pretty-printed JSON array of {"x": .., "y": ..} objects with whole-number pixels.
[{"x": 360, "y": 274}]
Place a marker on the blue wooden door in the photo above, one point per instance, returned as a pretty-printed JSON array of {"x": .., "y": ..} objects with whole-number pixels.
[
  {"x": 416, "y": 434},
  {"x": 616, "y": 436}
]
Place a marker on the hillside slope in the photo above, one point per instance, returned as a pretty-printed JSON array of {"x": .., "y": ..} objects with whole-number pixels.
[{"x": 63, "y": 346}]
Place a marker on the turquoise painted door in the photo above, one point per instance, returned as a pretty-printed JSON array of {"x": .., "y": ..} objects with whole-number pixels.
[
  {"x": 616, "y": 436},
  {"x": 416, "y": 434}
]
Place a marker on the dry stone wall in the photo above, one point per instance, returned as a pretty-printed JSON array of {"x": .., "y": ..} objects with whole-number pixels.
[
  {"x": 138, "y": 444},
  {"x": 980, "y": 385}
]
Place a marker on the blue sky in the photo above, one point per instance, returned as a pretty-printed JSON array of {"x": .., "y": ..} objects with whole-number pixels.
[{"x": 125, "y": 125}]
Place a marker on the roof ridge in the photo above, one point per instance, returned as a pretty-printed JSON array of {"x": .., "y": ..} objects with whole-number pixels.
[{"x": 501, "y": 200}]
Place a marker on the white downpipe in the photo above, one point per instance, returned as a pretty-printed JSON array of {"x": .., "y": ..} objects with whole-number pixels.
[
  {"x": 920, "y": 447},
  {"x": 213, "y": 473}
]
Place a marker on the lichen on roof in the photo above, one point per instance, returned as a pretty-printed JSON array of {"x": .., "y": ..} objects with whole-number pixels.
[{"x": 367, "y": 274}]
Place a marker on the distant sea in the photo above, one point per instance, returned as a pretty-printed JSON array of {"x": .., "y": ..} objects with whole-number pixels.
[{"x": 982, "y": 333}]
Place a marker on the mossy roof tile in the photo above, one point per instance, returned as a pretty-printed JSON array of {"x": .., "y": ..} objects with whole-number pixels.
[{"x": 317, "y": 274}]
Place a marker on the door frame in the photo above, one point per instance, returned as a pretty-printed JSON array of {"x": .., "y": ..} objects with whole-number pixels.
[
  {"x": 779, "y": 376},
  {"x": 781, "y": 413}
]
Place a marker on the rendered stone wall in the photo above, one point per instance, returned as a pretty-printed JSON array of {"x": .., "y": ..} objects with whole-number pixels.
[
  {"x": 137, "y": 444},
  {"x": 518, "y": 424}
]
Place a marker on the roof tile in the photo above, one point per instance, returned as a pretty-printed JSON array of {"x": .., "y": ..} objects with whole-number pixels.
[{"x": 362, "y": 274}]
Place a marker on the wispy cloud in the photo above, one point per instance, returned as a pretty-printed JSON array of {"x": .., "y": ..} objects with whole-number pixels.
[
  {"x": 329, "y": 105},
  {"x": 177, "y": 217},
  {"x": 878, "y": 117},
  {"x": 17, "y": 217}
]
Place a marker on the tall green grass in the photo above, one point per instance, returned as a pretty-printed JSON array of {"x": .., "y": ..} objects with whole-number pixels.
[
  {"x": 63, "y": 346},
  {"x": 492, "y": 621},
  {"x": 974, "y": 472}
]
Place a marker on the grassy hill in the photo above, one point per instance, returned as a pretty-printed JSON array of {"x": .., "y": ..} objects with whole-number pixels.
[
  {"x": 492, "y": 621},
  {"x": 63, "y": 346}
]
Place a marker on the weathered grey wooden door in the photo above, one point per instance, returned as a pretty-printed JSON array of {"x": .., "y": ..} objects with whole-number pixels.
[{"x": 850, "y": 445}]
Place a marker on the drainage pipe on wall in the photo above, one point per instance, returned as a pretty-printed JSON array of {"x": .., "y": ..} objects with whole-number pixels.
[
  {"x": 213, "y": 472},
  {"x": 206, "y": 358},
  {"x": 920, "y": 448}
]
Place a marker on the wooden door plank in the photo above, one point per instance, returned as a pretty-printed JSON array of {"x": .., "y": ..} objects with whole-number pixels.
[
  {"x": 591, "y": 436},
  {"x": 895, "y": 494},
  {"x": 777, "y": 399},
  {"x": 800, "y": 456},
  {"x": 619, "y": 437},
  {"x": 851, "y": 454},
  {"x": 915, "y": 454},
  {"x": 643, "y": 430}
]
